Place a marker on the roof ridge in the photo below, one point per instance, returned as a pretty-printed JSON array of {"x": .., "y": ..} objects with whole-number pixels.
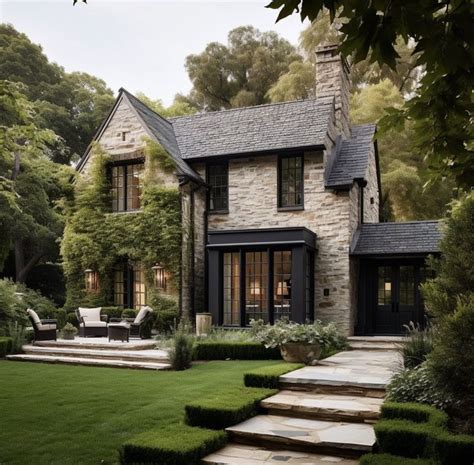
[
  {"x": 129, "y": 94},
  {"x": 251, "y": 107},
  {"x": 403, "y": 222}
]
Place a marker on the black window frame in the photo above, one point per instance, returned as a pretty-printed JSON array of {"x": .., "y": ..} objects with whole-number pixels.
[
  {"x": 209, "y": 167},
  {"x": 125, "y": 164},
  {"x": 280, "y": 205}
]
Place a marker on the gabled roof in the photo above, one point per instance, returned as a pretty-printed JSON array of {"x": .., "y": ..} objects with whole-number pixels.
[
  {"x": 352, "y": 157},
  {"x": 414, "y": 237},
  {"x": 262, "y": 128}
]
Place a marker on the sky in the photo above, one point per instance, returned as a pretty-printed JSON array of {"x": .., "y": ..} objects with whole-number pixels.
[{"x": 139, "y": 45}]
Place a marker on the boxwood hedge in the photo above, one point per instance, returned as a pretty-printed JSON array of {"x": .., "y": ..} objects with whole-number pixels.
[
  {"x": 387, "y": 459},
  {"x": 174, "y": 445},
  {"x": 6, "y": 344},
  {"x": 222, "y": 410},
  {"x": 268, "y": 377},
  {"x": 234, "y": 350}
]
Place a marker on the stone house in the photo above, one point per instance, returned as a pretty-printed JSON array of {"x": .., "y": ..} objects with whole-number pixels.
[{"x": 280, "y": 211}]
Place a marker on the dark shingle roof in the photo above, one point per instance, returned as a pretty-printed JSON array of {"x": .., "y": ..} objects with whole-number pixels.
[
  {"x": 416, "y": 237},
  {"x": 303, "y": 123},
  {"x": 352, "y": 157},
  {"x": 162, "y": 130}
]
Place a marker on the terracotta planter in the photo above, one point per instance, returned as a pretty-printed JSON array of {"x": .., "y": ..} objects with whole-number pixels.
[{"x": 297, "y": 352}]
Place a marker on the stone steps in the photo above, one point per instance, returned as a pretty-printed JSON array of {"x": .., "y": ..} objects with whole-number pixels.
[
  {"x": 340, "y": 439},
  {"x": 238, "y": 454},
  {"x": 99, "y": 344},
  {"x": 375, "y": 342},
  {"x": 323, "y": 406},
  {"x": 151, "y": 355},
  {"x": 101, "y": 362}
]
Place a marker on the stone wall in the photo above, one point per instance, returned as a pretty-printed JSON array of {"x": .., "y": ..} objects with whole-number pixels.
[
  {"x": 371, "y": 191},
  {"x": 253, "y": 204}
]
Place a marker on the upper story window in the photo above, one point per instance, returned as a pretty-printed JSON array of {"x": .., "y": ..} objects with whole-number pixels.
[
  {"x": 290, "y": 182},
  {"x": 126, "y": 186},
  {"x": 218, "y": 180}
]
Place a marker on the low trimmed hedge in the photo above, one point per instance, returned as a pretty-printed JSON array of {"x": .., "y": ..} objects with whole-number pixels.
[
  {"x": 387, "y": 459},
  {"x": 268, "y": 377},
  {"x": 234, "y": 350},
  {"x": 227, "y": 409},
  {"x": 6, "y": 344},
  {"x": 174, "y": 445},
  {"x": 416, "y": 430}
]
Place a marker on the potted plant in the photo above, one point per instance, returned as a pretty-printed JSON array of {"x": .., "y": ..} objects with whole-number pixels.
[
  {"x": 69, "y": 331},
  {"x": 297, "y": 342}
]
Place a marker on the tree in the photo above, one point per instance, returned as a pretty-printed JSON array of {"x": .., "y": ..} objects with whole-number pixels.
[
  {"x": 440, "y": 109},
  {"x": 71, "y": 104},
  {"x": 239, "y": 73},
  {"x": 179, "y": 107},
  {"x": 32, "y": 187},
  {"x": 404, "y": 173}
]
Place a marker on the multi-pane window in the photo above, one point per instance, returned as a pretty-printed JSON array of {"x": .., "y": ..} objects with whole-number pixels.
[
  {"x": 218, "y": 180},
  {"x": 282, "y": 284},
  {"x": 256, "y": 286},
  {"x": 126, "y": 186},
  {"x": 290, "y": 179},
  {"x": 129, "y": 286},
  {"x": 407, "y": 285},
  {"x": 232, "y": 288},
  {"x": 385, "y": 285}
]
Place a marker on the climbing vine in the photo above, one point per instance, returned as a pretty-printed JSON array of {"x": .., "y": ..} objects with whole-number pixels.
[{"x": 97, "y": 239}]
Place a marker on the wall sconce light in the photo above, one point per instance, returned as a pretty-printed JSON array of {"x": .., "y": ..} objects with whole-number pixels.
[
  {"x": 159, "y": 275},
  {"x": 92, "y": 280}
]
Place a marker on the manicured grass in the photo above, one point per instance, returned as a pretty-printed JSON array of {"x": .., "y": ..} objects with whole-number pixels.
[{"x": 56, "y": 414}]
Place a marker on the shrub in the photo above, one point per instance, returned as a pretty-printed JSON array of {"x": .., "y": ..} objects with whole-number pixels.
[
  {"x": 18, "y": 337},
  {"x": 10, "y": 308},
  {"x": 69, "y": 329},
  {"x": 417, "y": 344},
  {"x": 210, "y": 350},
  {"x": 181, "y": 353},
  {"x": 112, "y": 312},
  {"x": 128, "y": 313},
  {"x": 418, "y": 413},
  {"x": 61, "y": 316},
  {"x": 417, "y": 385},
  {"x": 454, "y": 449},
  {"x": 5, "y": 346},
  {"x": 72, "y": 318},
  {"x": 174, "y": 445},
  {"x": 167, "y": 313},
  {"x": 387, "y": 459},
  {"x": 229, "y": 408},
  {"x": 48, "y": 280},
  {"x": 268, "y": 377}
]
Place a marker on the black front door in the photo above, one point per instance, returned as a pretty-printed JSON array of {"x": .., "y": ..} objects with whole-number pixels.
[{"x": 397, "y": 300}]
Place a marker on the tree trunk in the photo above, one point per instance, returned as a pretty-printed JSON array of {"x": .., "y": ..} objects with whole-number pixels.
[{"x": 21, "y": 269}]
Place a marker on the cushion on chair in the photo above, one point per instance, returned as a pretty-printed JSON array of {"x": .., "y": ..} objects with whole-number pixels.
[
  {"x": 46, "y": 327},
  {"x": 95, "y": 324},
  {"x": 90, "y": 314},
  {"x": 141, "y": 315},
  {"x": 34, "y": 316}
]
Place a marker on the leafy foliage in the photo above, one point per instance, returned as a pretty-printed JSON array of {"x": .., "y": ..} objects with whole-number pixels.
[
  {"x": 417, "y": 345},
  {"x": 439, "y": 111},
  {"x": 96, "y": 239},
  {"x": 181, "y": 353},
  {"x": 239, "y": 73}
]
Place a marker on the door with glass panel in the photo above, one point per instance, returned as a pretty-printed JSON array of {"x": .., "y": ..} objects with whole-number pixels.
[
  {"x": 129, "y": 285},
  {"x": 282, "y": 285},
  {"x": 256, "y": 286}
]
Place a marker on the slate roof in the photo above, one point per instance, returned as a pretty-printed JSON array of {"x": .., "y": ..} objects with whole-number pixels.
[
  {"x": 415, "y": 237},
  {"x": 302, "y": 123},
  {"x": 352, "y": 157},
  {"x": 162, "y": 129}
]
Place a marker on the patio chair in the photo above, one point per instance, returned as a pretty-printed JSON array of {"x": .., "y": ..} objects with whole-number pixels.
[
  {"x": 91, "y": 322},
  {"x": 140, "y": 325},
  {"x": 45, "y": 330}
]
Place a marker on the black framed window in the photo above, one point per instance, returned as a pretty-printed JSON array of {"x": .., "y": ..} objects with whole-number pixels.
[
  {"x": 126, "y": 186},
  {"x": 282, "y": 284},
  {"x": 129, "y": 285},
  {"x": 218, "y": 180},
  {"x": 290, "y": 182}
]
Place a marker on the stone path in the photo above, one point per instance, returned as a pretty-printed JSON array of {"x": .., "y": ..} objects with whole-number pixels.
[{"x": 323, "y": 415}]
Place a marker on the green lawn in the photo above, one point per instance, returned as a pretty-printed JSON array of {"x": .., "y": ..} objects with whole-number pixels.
[{"x": 56, "y": 414}]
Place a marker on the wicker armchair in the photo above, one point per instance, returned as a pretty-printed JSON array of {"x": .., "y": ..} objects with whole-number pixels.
[
  {"x": 45, "y": 330},
  {"x": 140, "y": 325},
  {"x": 91, "y": 322}
]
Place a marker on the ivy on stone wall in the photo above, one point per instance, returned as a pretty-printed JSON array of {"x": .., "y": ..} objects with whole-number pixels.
[{"x": 97, "y": 239}]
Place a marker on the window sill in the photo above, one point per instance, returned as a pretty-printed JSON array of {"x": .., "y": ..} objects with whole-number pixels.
[
  {"x": 126, "y": 212},
  {"x": 218, "y": 212},
  {"x": 291, "y": 209}
]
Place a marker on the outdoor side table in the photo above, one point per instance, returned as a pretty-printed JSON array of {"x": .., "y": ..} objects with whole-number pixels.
[{"x": 118, "y": 332}]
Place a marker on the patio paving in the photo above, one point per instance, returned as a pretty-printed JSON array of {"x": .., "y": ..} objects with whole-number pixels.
[
  {"x": 236, "y": 454},
  {"x": 100, "y": 343}
]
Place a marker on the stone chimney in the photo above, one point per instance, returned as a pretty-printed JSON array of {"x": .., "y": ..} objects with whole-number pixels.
[{"x": 333, "y": 79}]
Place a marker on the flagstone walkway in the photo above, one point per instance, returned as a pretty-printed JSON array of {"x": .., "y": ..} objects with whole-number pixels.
[{"x": 323, "y": 415}]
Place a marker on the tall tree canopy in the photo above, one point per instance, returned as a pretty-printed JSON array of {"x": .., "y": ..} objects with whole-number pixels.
[
  {"x": 70, "y": 104},
  {"x": 239, "y": 73},
  {"x": 440, "y": 109},
  {"x": 32, "y": 187}
]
